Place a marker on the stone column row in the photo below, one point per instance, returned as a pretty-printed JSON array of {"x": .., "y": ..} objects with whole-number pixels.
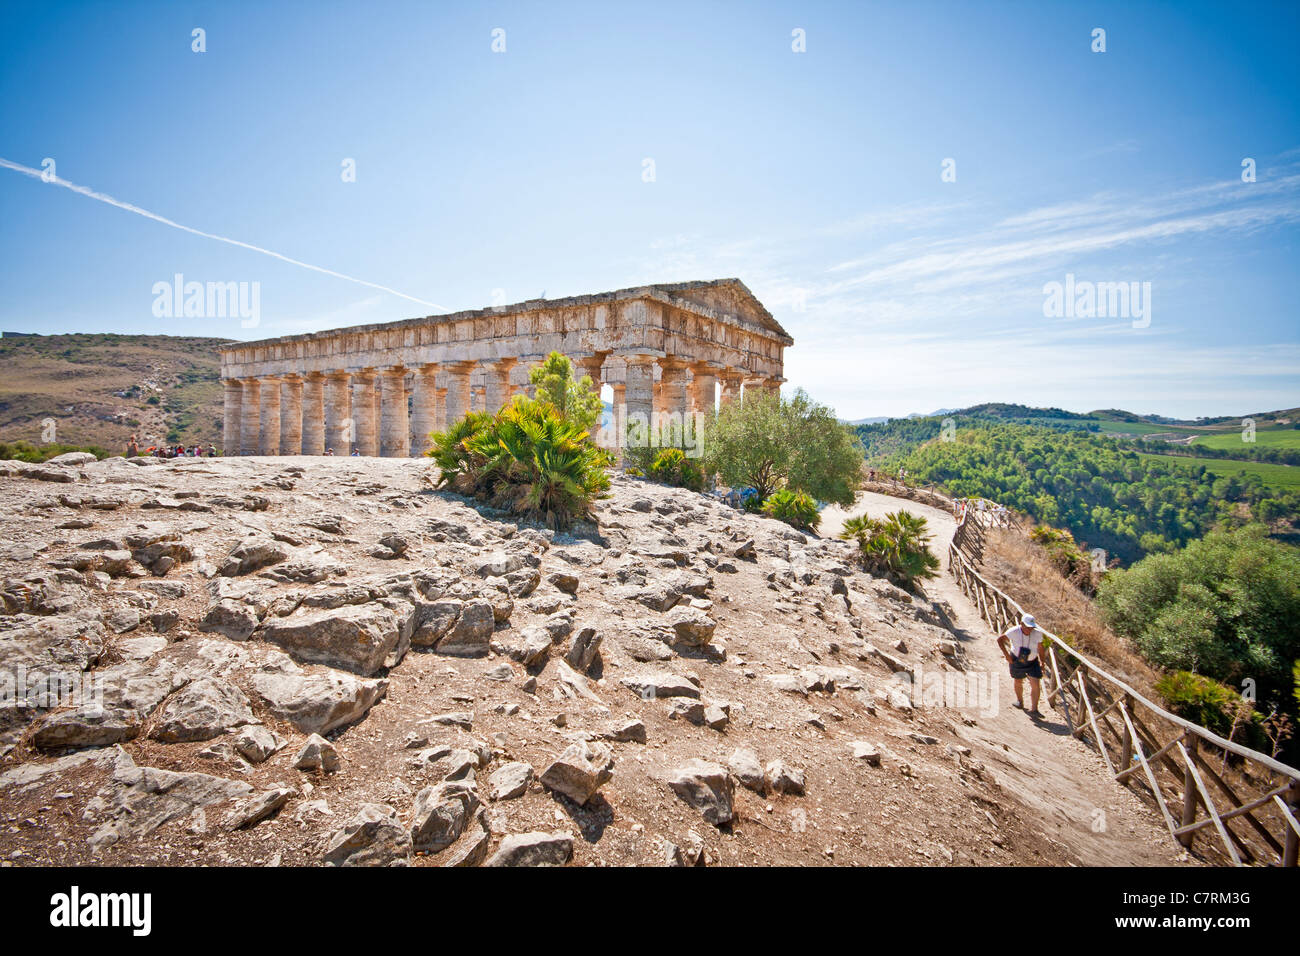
[
  {"x": 391, "y": 411},
  {"x": 375, "y": 412}
]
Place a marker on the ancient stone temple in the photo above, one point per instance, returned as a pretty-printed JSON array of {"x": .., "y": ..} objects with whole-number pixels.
[{"x": 381, "y": 389}]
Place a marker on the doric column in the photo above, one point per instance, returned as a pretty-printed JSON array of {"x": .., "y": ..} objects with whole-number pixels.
[
  {"x": 395, "y": 421},
  {"x": 366, "y": 436},
  {"x": 313, "y": 415},
  {"x": 520, "y": 374},
  {"x": 591, "y": 365},
  {"x": 340, "y": 429},
  {"x": 458, "y": 392},
  {"x": 704, "y": 388},
  {"x": 763, "y": 385},
  {"x": 440, "y": 402},
  {"x": 496, "y": 384},
  {"x": 732, "y": 379},
  {"x": 230, "y": 420},
  {"x": 250, "y": 425},
  {"x": 423, "y": 408},
  {"x": 268, "y": 442},
  {"x": 291, "y": 416},
  {"x": 673, "y": 384},
  {"x": 639, "y": 396}
]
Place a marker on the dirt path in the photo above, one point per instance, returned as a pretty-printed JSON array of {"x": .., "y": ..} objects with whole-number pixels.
[{"x": 1057, "y": 775}]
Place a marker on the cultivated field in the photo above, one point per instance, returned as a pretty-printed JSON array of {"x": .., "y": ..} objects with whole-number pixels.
[{"x": 1282, "y": 477}]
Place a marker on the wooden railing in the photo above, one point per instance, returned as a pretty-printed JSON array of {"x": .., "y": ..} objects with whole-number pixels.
[
  {"x": 1255, "y": 812},
  {"x": 926, "y": 494},
  {"x": 988, "y": 514}
]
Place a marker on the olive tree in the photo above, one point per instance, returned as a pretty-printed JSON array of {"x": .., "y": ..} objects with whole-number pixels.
[{"x": 768, "y": 442}]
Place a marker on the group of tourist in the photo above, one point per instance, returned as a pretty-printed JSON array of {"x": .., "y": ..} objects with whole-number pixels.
[{"x": 133, "y": 450}]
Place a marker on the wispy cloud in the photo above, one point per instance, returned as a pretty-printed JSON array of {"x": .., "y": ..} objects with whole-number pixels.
[{"x": 945, "y": 301}]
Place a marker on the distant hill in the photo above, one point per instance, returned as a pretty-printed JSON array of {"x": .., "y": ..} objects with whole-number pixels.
[
  {"x": 1106, "y": 490},
  {"x": 1272, "y": 437},
  {"x": 887, "y": 418},
  {"x": 101, "y": 388}
]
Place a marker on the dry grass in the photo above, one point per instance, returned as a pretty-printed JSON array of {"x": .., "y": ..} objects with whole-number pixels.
[{"x": 1024, "y": 570}]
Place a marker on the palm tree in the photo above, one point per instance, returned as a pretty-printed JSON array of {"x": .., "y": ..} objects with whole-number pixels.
[{"x": 896, "y": 546}]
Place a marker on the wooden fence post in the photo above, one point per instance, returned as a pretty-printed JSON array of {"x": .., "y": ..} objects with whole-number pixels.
[
  {"x": 1126, "y": 746},
  {"x": 1189, "y": 792},
  {"x": 1292, "y": 847}
]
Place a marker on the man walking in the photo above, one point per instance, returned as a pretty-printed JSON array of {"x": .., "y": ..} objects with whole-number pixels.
[{"x": 1020, "y": 646}]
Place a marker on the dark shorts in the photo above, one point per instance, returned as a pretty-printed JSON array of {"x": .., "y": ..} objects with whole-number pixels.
[{"x": 1027, "y": 669}]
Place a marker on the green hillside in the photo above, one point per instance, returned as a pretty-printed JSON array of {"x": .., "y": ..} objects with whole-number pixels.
[{"x": 1105, "y": 492}]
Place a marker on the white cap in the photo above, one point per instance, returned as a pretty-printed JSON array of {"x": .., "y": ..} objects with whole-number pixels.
[{"x": 1028, "y": 621}]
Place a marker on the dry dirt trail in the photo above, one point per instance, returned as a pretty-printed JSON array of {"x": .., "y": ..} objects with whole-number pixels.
[{"x": 1081, "y": 807}]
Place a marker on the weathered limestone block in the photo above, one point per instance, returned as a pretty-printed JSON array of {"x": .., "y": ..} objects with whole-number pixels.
[{"x": 359, "y": 638}]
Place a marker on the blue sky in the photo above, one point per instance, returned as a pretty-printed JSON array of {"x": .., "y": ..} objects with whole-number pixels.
[{"x": 814, "y": 177}]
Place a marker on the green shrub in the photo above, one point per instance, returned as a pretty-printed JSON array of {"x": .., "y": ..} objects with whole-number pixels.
[
  {"x": 457, "y": 465},
  {"x": 672, "y": 467},
  {"x": 527, "y": 459},
  {"x": 796, "y": 508},
  {"x": 35, "y": 454},
  {"x": 1063, "y": 638},
  {"x": 1071, "y": 561},
  {"x": 896, "y": 546},
  {"x": 644, "y": 445},
  {"x": 767, "y": 442},
  {"x": 576, "y": 399},
  {"x": 1214, "y": 706},
  {"x": 1226, "y": 606}
]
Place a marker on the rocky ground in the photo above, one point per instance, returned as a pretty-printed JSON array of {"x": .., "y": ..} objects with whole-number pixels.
[{"x": 309, "y": 661}]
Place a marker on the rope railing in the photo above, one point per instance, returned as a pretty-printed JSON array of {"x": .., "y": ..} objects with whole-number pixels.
[{"x": 1127, "y": 730}]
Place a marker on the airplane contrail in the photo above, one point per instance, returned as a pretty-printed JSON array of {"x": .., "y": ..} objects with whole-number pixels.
[{"x": 101, "y": 197}]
